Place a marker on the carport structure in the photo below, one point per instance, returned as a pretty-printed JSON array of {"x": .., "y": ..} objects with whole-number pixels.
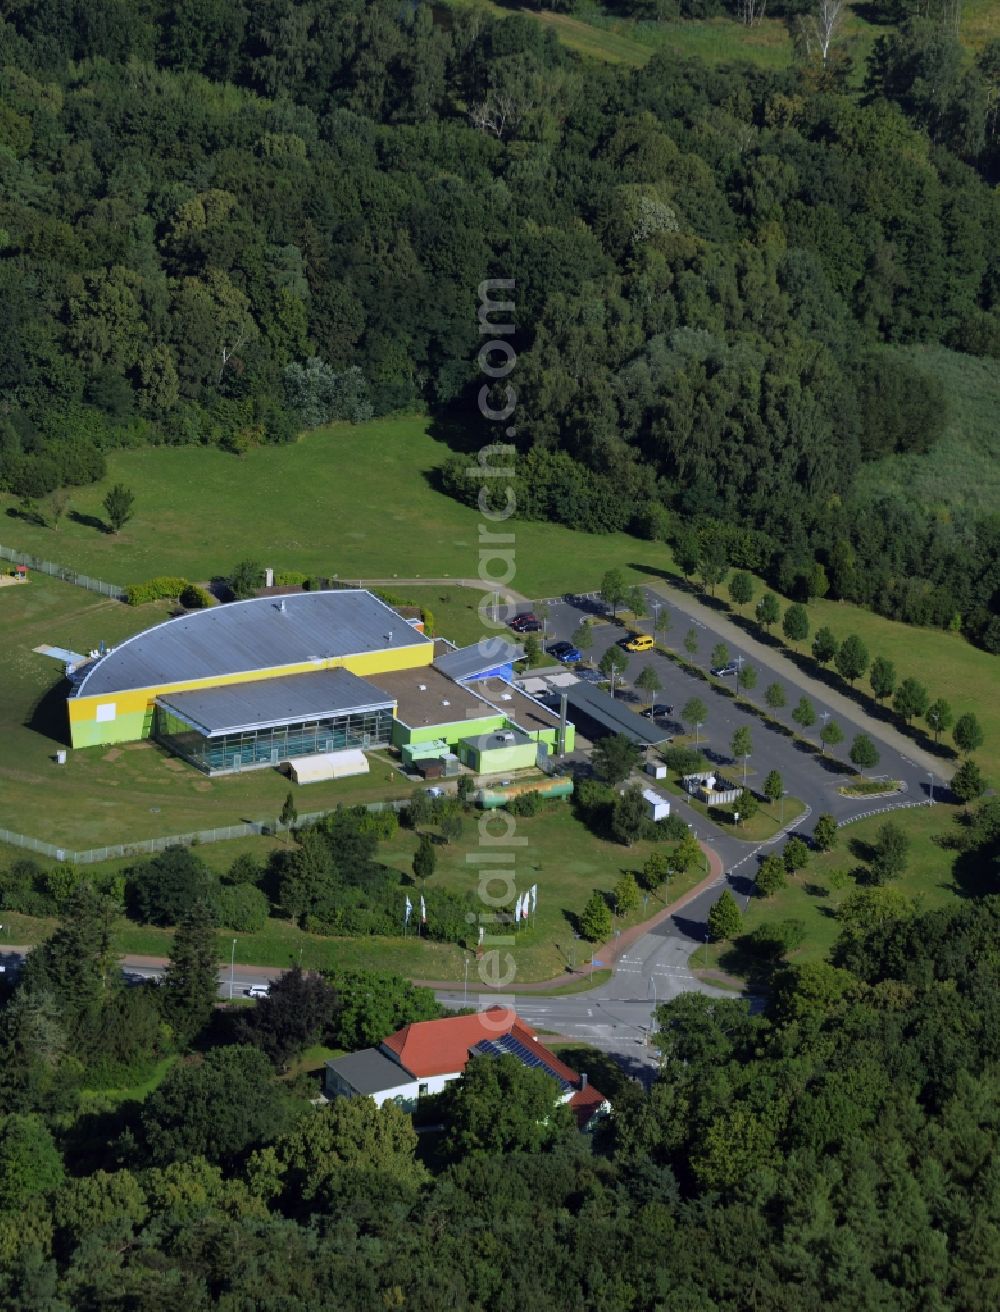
[{"x": 597, "y": 714}]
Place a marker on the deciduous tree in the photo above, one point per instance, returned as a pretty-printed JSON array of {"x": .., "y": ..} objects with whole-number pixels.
[
  {"x": 851, "y": 659},
  {"x": 825, "y": 833},
  {"x": 741, "y": 588},
  {"x": 882, "y": 677},
  {"x": 864, "y": 754},
  {"x": 824, "y": 645},
  {"x": 967, "y": 733},
  {"x": 774, "y": 695},
  {"x": 795, "y": 623},
  {"x": 768, "y": 610}
]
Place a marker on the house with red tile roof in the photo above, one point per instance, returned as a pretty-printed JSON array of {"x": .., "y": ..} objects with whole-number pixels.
[{"x": 422, "y": 1058}]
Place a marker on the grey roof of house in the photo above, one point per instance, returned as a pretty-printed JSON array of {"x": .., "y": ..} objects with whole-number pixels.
[
  {"x": 611, "y": 715},
  {"x": 464, "y": 662},
  {"x": 244, "y": 636},
  {"x": 283, "y": 700},
  {"x": 369, "y": 1071}
]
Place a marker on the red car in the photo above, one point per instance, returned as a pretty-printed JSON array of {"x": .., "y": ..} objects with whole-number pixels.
[{"x": 519, "y": 621}]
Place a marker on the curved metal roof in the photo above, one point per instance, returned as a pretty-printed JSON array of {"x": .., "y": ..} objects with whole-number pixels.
[{"x": 242, "y": 637}]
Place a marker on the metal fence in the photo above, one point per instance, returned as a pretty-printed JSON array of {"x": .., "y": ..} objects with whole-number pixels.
[
  {"x": 62, "y": 572},
  {"x": 149, "y": 846}
]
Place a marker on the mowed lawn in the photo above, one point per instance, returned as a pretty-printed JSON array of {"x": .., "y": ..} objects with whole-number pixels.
[
  {"x": 812, "y": 898},
  {"x": 947, "y": 665},
  {"x": 346, "y": 501},
  {"x": 106, "y": 795},
  {"x": 559, "y": 854}
]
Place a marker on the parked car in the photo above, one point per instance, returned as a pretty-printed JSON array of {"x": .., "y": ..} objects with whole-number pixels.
[
  {"x": 638, "y": 642},
  {"x": 257, "y": 991},
  {"x": 723, "y": 671},
  {"x": 658, "y": 711},
  {"x": 565, "y": 652},
  {"x": 525, "y": 617},
  {"x": 529, "y": 626}
]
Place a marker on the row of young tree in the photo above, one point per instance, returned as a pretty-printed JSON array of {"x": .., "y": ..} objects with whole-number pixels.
[{"x": 834, "y": 1147}]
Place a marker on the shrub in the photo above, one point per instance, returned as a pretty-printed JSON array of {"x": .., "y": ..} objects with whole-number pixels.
[
  {"x": 195, "y": 598},
  {"x": 241, "y": 907},
  {"x": 158, "y": 589},
  {"x": 383, "y": 824},
  {"x": 525, "y": 804},
  {"x": 776, "y": 937},
  {"x": 291, "y": 578}
]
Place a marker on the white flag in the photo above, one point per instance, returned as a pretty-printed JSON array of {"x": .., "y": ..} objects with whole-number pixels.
[
  {"x": 534, "y": 897},
  {"x": 524, "y": 906},
  {"x": 423, "y": 910},
  {"x": 482, "y": 933},
  {"x": 409, "y": 911}
]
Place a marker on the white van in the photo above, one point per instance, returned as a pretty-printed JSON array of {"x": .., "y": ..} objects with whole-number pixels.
[{"x": 257, "y": 991}]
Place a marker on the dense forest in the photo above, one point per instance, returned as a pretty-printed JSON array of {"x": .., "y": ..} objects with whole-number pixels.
[
  {"x": 224, "y": 222},
  {"x": 836, "y": 1149}
]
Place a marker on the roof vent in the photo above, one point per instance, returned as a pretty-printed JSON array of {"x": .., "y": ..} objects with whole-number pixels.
[
  {"x": 422, "y": 687},
  {"x": 506, "y": 697},
  {"x": 445, "y": 701},
  {"x": 281, "y": 605},
  {"x": 388, "y": 636}
]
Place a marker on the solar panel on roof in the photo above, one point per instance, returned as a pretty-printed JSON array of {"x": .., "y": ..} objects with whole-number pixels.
[{"x": 507, "y": 1046}]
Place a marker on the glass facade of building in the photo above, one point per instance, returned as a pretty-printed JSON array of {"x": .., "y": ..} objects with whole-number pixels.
[{"x": 271, "y": 744}]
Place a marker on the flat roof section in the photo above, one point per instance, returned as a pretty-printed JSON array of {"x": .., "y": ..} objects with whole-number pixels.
[
  {"x": 369, "y": 1071},
  {"x": 525, "y": 712},
  {"x": 425, "y": 697},
  {"x": 241, "y": 637},
  {"x": 265, "y": 702},
  {"x": 602, "y": 710}
]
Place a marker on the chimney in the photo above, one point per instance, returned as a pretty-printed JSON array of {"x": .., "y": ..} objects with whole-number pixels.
[
  {"x": 281, "y": 604},
  {"x": 561, "y": 736},
  {"x": 583, "y": 1079},
  {"x": 269, "y": 577}
]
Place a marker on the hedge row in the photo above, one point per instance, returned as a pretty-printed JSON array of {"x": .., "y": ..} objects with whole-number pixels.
[{"x": 158, "y": 589}]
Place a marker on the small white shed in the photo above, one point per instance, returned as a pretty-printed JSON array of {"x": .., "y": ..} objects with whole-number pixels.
[
  {"x": 657, "y": 769},
  {"x": 657, "y": 806}
]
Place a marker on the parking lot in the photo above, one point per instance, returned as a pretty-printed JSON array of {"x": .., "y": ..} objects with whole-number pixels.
[{"x": 805, "y": 774}]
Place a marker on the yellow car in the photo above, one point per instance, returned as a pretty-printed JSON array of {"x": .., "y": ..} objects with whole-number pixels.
[{"x": 639, "y": 642}]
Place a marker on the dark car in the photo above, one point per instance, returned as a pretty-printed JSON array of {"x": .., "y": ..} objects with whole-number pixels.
[
  {"x": 526, "y": 617},
  {"x": 565, "y": 652},
  {"x": 529, "y": 626},
  {"x": 723, "y": 671},
  {"x": 658, "y": 711}
]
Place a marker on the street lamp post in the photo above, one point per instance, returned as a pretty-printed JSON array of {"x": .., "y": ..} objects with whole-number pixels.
[
  {"x": 784, "y": 794},
  {"x": 697, "y": 733},
  {"x": 232, "y": 969},
  {"x": 930, "y": 776},
  {"x": 465, "y": 989},
  {"x": 745, "y": 759}
]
